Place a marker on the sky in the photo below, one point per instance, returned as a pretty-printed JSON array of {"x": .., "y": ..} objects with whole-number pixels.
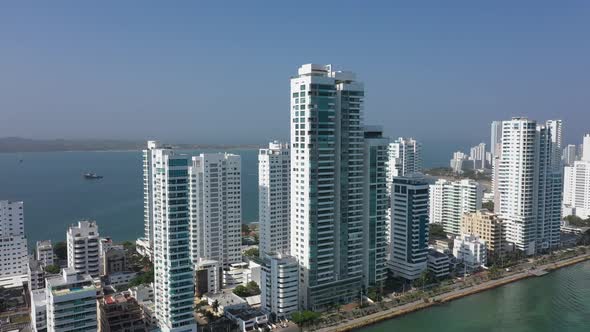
[{"x": 218, "y": 72}]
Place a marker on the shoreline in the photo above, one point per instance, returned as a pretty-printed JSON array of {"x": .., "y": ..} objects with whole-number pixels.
[{"x": 418, "y": 305}]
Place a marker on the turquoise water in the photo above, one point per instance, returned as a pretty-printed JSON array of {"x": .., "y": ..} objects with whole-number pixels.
[
  {"x": 559, "y": 301},
  {"x": 56, "y": 195}
]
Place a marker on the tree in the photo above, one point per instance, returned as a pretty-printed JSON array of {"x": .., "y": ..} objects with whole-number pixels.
[
  {"x": 426, "y": 278},
  {"x": 304, "y": 318},
  {"x": 241, "y": 291},
  {"x": 144, "y": 278},
  {"x": 494, "y": 272},
  {"x": 437, "y": 231},
  {"x": 253, "y": 288},
  {"x": 128, "y": 245},
  {"x": 53, "y": 269},
  {"x": 215, "y": 306},
  {"x": 61, "y": 250},
  {"x": 488, "y": 205},
  {"x": 252, "y": 253}
]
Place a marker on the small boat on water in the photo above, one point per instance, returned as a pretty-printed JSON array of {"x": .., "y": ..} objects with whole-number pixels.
[{"x": 92, "y": 176}]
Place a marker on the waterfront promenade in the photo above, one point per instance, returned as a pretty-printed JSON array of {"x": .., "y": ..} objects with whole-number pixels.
[{"x": 452, "y": 295}]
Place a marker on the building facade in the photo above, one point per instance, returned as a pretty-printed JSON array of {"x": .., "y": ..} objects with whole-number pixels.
[
  {"x": 173, "y": 282},
  {"x": 376, "y": 203},
  {"x": 280, "y": 285},
  {"x": 327, "y": 184},
  {"x": 409, "y": 227},
  {"x": 449, "y": 200},
  {"x": 478, "y": 155},
  {"x": 149, "y": 169},
  {"x": 471, "y": 251},
  {"x": 216, "y": 208},
  {"x": 44, "y": 252},
  {"x": 83, "y": 248},
  {"x": 274, "y": 209},
  {"x": 488, "y": 227},
  {"x": 576, "y": 191},
  {"x": 405, "y": 157},
  {"x": 13, "y": 243},
  {"x": 529, "y": 185}
]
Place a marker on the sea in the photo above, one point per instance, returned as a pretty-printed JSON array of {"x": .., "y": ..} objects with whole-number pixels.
[{"x": 558, "y": 301}]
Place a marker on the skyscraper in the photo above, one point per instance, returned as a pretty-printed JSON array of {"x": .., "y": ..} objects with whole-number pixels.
[
  {"x": 478, "y": 155},
  {"x": 83, "y": 248},
  {"x": 274, "y": 209},
  {"x": 569, "y": 155},
  {"x": 449, "y": 200},
  {"x": 409, "y": 226},
  {"x": 327, "y": 184},
  {"x": 216, "y": 208},
  {"x": 529, "y": 185},
  {"x": 576, "y": 191},
  {"x": 173, "y": 266},
  {"x": 147, "y": 243},
  {"x": 555, "y": 128},
  {"x": 405, "y": 157},
  {"x": 495, "y": 138},
  {"x": 375, "y": 238},
  {"x": 13, "y": 243}
]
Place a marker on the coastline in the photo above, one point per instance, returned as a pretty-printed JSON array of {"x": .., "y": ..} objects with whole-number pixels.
[{"x": 408, "y": 308}]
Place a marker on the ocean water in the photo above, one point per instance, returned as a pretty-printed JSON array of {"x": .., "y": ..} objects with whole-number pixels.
[
  {"x": 558, "y": 301},
  {"x": 56, "y": 195}
]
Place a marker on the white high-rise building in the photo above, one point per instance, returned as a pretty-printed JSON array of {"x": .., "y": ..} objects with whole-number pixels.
[
  {"x": 409, "y": 227},
  {"x": 569, "y": 155},
  {"x": 495, "y": 138},
  {"x": 146, "y": 243},
  {"x": 461, "y": 162},
  {"x": 449, "y": 200},
  {"x": 45, "y": 252},
  {"x": 173, "y": 266},
  {"x": 83, "y": 248},
  {"x": 13, "y": 243},
  {"x": 555, "y": 128},
  {"x": 216, "y": 208},
  {"x": 478, "y": 156},
  {"x": 471, "y": 250},
  {"x": 327, "y": 184},
  {"x": 375, "y": 239},
  {"x": 279, "y": 285},
  {"x": 529, "y": 186},
  {"x": 405, "y": 157},
  {"x": 274, "y": 201},
  {"x": 71, "y": 303},
  {"x": 576, "y": 191}
]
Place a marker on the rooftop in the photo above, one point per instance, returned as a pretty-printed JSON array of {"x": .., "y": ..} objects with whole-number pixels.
[{"x": 245, "y": 314}]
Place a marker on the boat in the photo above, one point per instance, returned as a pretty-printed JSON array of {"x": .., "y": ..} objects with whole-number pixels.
[{"x": 92, "y": 176}]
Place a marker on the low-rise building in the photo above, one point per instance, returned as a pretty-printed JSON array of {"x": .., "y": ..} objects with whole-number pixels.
[
  {"x": 488, "y": 227},
  {"x": 438, "y": 263},
  {"x": 120, "y": 278},
  {"x": 225, "y": 299},
  {"x": 248, "y": 319},
  {"x": 470, "y": 250},
  {"x": 45, "y": 252},
  {"x": 280, "y": 285},
  {"x": 207, "y": 277},
  {"x": 71, "y": 302},
  {"x": 241, "y": 274},
  {"x": 120, "y": 313},
  {"x": 143, "y": 293}
]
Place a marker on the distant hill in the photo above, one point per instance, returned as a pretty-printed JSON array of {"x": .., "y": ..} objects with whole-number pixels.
[{"x": 18, "y": 144}]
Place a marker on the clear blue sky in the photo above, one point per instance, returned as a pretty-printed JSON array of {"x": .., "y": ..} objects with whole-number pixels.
[{"x": 185, "y": 71}]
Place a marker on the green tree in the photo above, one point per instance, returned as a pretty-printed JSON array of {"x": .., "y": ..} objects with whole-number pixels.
[
  {"x": 60, "y": 250},
  {"x": 488, "y": 205},
  {"x": 53, "y": 269},
  {"x": 144, "y": 278},
  {"x": 215, "y": 306},
  {"x": 304, "y": 318},
  {"x": 253, "y": 288},
  {"x": 437, "y": 231},
  {"x": 252, "y": 253},
  {"x": 241, "y": 291}
]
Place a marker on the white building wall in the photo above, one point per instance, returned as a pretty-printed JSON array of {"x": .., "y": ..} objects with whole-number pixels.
[
  {"x": 470, "y": 250},
  {"x": 44, "y": 252},
  {"x": 449, "y": 200},
  {"x": 279, "y": 285},
  {"x": 274, "y": 209},
  {"x": 83, "y": 248},
  {"x": 13, "y": 243},
  {"x": 576, "y": 191}
]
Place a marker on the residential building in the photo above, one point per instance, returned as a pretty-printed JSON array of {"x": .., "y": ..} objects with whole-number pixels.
[
  {"x": 83, "y": 248},
  {"x": 120, "y": 313},
  {"x": 449, "y": 200},
  {"x": 576, "y": 191},
  {"x": 208, "y": 277},
  {"x": 376, "y": 203},
  {"x": 529, "y": 185},
  {"x": 555, "y": 128},
  {"x": 13, "y": 243},
  {"x": 470, "y": 250},
  {"x": 248, "y": 319},
  {"x": 478, "y": 156},
  {"x": 173, "y": 266},
  {"x": 274, "y": 211},
  {"x": 44, "y": 252},
  {"x": 38, "y": 310},
  {"x": 146, "y": 244},
  {"x": 279, "y": 285},
  {"x": 71, "y": 302},
  {"x": 36, "y": 274},
  {"x": 461, "y": 162},
  {"x": 142, "y": 293},
  {"x": 404, "y": 157},
  {"x": 216, "y": 208},
  {"x": 488, "y": 227},
  {"x": 495, "y": 138},
  {"x": 114, "y": 260},
  {"x": 409, "y": 227},
  {"x": 327, "y": 184},
  {"x": 570, "y": 155},
  {"x": 439, "y": 263}
]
